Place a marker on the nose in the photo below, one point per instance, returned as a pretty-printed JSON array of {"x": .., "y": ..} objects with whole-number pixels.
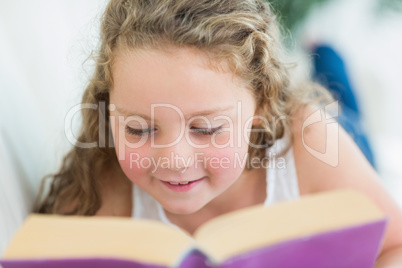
[{"x": 176, "y": 156}]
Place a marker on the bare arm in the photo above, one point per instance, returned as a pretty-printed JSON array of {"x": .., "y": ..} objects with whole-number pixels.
[{"x": 352, "y": 170}]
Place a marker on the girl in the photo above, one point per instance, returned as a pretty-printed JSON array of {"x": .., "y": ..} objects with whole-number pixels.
[{"x": 204, "y": 119}]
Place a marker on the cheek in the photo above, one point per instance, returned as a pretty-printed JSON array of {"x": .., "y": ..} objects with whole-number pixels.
[
  {"x": 135, "y": 164},
  {"x": 227, "y": 163}
]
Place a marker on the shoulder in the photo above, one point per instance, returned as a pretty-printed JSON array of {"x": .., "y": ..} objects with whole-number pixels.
[
  {"x": 325, "y": 154},
  {"x": 326, "y": 158}
]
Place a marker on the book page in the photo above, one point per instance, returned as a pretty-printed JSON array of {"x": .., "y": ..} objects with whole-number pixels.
[
  {"x": 259, "y": 226},
  {"x": 49, "y": 236}
]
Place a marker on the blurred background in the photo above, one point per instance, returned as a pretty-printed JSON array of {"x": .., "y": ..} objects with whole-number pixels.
[{"x": 45, "y": 48}]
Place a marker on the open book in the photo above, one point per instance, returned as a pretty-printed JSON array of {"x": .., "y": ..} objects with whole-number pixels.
[{"x": 334, "y": 229}]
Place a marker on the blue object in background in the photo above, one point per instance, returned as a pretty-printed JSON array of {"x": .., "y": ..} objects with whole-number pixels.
[{"x": 329, "y": 70}]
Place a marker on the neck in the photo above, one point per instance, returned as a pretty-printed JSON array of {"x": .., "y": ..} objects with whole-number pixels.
[
  {"x": 116, "y": 193},
  {"x": 248, "y": 190}
]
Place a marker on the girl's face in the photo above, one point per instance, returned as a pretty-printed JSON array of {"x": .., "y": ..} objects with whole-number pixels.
[{"x": 180, "y": 127}]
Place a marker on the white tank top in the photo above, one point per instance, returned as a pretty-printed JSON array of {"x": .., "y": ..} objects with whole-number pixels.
[{"x": 282, "y": 185}]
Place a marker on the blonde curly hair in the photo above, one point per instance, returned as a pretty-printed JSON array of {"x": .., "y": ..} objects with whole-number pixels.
[{"x": 242, "y": 33}]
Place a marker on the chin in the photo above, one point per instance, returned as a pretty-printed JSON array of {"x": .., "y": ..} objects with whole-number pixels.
[{"x": 182, "y": 209}]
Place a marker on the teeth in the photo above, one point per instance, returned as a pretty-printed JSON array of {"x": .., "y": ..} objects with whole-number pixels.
[{"x": 177, "y": 183}]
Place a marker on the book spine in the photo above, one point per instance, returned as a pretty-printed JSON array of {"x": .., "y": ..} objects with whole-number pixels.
[{"x": 194, "y": 258}]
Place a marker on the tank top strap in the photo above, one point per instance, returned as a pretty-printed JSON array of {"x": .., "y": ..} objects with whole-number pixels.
[
  {"x": 282, "y": 183},
  {"x": 146, "y": 207}
]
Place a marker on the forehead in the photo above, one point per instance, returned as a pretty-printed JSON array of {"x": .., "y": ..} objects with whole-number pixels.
[{"x": 181, "y": 77}]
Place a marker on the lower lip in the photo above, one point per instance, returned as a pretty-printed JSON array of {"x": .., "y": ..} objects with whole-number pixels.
[{"x": 183, "y": 187}]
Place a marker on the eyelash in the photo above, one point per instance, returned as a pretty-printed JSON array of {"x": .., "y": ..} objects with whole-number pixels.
[
  {"x": 206, "y": 131},
  {"x": 138, "y": 132},
  {"x": 201, "y": 131}
]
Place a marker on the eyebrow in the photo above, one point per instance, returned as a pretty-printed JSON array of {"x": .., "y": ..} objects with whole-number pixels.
[{"x": 198, "y": 113}]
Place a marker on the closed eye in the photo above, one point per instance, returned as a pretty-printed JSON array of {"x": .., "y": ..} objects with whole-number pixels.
[
  {"x": 138, "y": 132},
  {"x": 206, "y": 131}
]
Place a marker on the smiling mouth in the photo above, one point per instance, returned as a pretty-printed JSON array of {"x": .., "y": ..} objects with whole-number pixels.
[
  {"x": 179, "y": 183},
  {"x": 182, "y": 186}
]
